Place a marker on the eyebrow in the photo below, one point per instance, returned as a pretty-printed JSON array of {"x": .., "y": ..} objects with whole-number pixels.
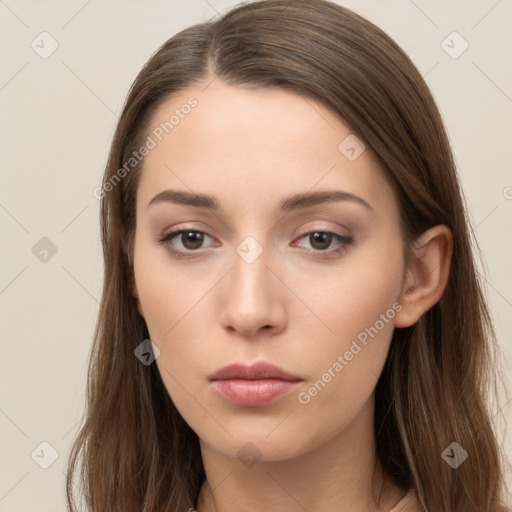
[{"x": 288, "y": 204}]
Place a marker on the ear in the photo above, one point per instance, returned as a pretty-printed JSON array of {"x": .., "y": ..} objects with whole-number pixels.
[
  {"x": 133, "y": 286},
  {"x": 427, "y": 276}
]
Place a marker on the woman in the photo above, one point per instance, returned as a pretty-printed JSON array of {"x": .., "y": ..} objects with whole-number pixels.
[{"x": 291, "y": 316}]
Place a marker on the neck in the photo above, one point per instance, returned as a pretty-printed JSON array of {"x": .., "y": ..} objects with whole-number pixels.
[{"x": 342, "y": 474}]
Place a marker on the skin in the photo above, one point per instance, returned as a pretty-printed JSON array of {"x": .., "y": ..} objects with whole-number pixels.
[{"x": 250, "y": 149}]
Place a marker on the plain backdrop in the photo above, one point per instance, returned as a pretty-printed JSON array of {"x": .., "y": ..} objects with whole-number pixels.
[{"x": 58, "y": 114}]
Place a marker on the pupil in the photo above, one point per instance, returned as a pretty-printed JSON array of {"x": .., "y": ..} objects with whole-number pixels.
[
  {"x": 323, "y": 238},
  {"x": 197, "y": 239}
]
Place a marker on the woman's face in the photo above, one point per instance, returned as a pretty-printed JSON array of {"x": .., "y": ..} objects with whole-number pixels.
[{"x": 254, "y": 278}]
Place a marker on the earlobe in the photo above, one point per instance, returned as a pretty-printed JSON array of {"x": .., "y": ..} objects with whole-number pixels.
[{"x": 427, "y": 277}]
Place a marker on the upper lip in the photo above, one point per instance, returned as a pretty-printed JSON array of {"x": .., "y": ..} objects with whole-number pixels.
[{"x": 259, "y": 370}]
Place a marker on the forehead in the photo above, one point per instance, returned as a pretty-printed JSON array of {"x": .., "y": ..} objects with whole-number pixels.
[{"x": 252, "y": 146}]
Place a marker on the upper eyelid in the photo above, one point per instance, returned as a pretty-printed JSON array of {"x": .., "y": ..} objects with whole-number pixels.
[{"x": 178, "y": 231}]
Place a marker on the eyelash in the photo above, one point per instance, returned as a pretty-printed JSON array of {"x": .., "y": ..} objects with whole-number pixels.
[{"x": 345, "y": 241}]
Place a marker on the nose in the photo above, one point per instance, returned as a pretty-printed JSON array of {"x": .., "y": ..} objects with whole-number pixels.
[{"x": 253, "y": 297}]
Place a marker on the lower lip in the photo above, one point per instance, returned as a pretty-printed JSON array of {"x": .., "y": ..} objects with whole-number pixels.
[{"x": 253, "y": 393}]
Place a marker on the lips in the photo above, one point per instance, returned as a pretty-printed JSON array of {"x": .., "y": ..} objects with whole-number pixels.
[
  {"x": 258, "y": 371},
  {"x": 253, "y": 386}
]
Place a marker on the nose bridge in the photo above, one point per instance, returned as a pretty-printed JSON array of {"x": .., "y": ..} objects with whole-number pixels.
[
  {"x": 251, "y": 299},
  {"x": 250, "y": 276}
]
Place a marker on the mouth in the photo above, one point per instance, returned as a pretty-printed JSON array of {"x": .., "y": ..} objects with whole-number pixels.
[{"x": 253, "y": 386}]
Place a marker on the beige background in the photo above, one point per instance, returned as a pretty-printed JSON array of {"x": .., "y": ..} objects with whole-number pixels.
[{"x": 58, "y": 117}]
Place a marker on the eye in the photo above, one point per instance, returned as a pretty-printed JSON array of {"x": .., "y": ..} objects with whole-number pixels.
[
  {"x": 191, "y": 240},
  {"x": 321, "y": 243}
]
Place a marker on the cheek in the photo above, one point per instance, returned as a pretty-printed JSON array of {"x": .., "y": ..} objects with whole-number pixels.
[
  {"x": 166, "y": 294},
  {"x": 175, "y": 315},
  {"x": 350, "y": 297},
  {"x": 359, "y": 306},
  {"x": 172, "y": 303}
]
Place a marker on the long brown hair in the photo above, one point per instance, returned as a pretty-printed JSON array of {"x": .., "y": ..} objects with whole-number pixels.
[{"x": 137, "y": 452}]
